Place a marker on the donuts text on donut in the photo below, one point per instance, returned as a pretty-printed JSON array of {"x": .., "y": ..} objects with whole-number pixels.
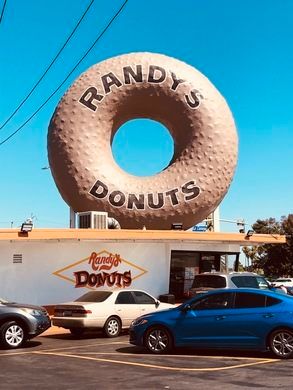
[
  {"x": 155, "y": 75},
  {"x": 154, "y": 201}
]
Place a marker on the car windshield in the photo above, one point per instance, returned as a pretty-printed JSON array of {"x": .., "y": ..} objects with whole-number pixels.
[
  {"x": 94, "y": 296},
  {"x": 213, "y": 281}
]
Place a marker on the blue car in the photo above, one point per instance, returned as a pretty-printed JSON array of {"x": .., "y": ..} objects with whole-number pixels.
[{"x": 239, "y": 318}]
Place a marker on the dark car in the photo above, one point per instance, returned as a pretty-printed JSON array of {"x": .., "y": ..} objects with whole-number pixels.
[
  {"x": 243, "y": 318},
  {"x": 21, "y": 322}
]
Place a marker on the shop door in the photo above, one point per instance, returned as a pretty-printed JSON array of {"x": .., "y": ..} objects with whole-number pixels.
[{"x": 184, "y": 265}]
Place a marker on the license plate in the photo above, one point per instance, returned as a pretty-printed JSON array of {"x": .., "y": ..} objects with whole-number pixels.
[{"x": 67, "y": 313}]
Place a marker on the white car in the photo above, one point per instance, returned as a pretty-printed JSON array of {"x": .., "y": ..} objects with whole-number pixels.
[
  {"x": 107, "y": 310},
  {"x": 287, "y": 282}
]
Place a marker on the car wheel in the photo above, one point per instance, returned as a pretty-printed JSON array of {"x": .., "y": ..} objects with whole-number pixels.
[
  {"x": 112, "y": 327},
  {"x": 77, "y": 331},
  {"x": 12, "y": 334},
  {"x": 281, "y": 343},
  {"x": 158, "y": 340}
]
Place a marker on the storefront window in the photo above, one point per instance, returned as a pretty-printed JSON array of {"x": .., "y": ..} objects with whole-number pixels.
[{"x": 186, "y": 264}]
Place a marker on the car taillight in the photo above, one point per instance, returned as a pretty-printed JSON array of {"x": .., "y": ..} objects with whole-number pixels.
[
  {"x": 71, "y": 312},
  {"x": 81, "y": 312}
]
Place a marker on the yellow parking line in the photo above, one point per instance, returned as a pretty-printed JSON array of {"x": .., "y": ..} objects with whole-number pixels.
[
  {"x": 14, "y": 353},
  {"x": 156, "y": 366},
  {"x": 176, "y": 356}
]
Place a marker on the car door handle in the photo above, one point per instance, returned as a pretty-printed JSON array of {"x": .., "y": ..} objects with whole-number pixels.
[
  {"x": 268, "y": 315},
  {"x": 218, "y": 318}
]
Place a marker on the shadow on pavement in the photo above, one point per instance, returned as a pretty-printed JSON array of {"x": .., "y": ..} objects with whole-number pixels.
[{"x": 200, "y": 352}]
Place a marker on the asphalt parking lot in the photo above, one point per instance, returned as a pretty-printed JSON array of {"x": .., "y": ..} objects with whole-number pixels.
[{"x": 57, "y": 360}]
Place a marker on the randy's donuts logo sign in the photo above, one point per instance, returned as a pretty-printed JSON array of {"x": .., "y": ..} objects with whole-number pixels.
[
  {"x": 153, "y": 74},
  {"x": 102, "y": 269},
  {"x": 103, "y": 264},
  {"x": 99, "y": 263}
]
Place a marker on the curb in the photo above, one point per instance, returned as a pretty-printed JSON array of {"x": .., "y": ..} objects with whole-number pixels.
[{"x": 55, "y": 330}]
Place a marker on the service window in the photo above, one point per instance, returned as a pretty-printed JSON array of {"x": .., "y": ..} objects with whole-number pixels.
[
  {"x": 125, "y": 298},
  {"x": 143, "y": 298},
  {"x": 249, "y": 300},
  {"x": 215, "y": 301}
]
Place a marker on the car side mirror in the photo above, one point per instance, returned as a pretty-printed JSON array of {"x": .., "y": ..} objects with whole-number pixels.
[
  {"x": 186, "y": 308},
  {"x": 157, "y": 304}
]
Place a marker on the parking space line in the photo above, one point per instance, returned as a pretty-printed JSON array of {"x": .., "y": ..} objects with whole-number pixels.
[
  {"x": 157, "y": 366},
  {"x": 177, "y": 356},
  {"x": 14, "y": 353}
]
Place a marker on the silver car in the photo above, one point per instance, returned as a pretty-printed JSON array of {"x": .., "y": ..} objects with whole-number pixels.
[
  {"x": 211, "y": 280},
  {"x": 21, "y": 322},
  {"x": 111, "y": 311}
]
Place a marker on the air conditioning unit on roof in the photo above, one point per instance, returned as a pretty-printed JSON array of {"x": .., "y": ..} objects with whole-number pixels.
[{"x": 93, "y": 220}]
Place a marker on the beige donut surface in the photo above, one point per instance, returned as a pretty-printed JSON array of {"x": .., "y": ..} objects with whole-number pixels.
[{"x": 143, "y": 85}]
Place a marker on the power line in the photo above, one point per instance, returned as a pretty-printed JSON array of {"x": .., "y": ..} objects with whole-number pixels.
[
  {"x": 69, "y": 74},
  {"x": 2, "y": 12},
  {"x": 49, "y": 67}
]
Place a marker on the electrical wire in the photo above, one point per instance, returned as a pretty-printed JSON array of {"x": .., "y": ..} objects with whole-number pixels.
[
  {"x": 2, "y": 12},
  {"x": 49, "y": 67},
  {"x": 69, "y": 74}
]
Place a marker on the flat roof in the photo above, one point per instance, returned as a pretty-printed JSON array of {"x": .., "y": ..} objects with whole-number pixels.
[{"x": 124, "y": 235}]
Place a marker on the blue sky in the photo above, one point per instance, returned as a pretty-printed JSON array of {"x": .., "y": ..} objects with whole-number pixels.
[{"x": 243, "y": 47}]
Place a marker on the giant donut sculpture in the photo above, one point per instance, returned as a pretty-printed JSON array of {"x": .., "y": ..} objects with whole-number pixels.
[{"x": 143, "y": 85}]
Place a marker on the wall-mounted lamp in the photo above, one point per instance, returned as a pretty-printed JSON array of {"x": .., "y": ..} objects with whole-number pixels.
[
  {"x": 177, "y": 226},
  {"x": 249, "y": 233},
  {"x": 26, "y": 227}
]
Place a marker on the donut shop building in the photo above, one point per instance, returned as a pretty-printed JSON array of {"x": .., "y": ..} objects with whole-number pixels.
[
  {"x": 49, "y": 266},
  {"x": 46, "y": 267}
]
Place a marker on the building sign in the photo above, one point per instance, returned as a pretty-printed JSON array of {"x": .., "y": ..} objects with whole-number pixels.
[
  {"x": 151, "y": 86},
  {"x": 155, "y": 201},
  {"x": 154, "y": 75},
  {"x": 102, "y": 269},
  {"x": 199, "y": 228}
]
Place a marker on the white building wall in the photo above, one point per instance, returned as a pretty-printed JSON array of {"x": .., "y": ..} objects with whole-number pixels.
[
  {"x": 46, "y": 274},
  {"x": 37, "y": 280}
]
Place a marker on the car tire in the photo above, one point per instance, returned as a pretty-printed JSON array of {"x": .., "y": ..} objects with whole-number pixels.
[
  {"x": 112, "y": 327},
  {"x": 12, "y": 334},
  {"x": 281, "y": 343},
  {"x": 158, "y": 340},
  {"x": 77, "y": 332}
]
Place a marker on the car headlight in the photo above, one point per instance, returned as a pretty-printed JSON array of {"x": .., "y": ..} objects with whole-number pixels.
[
  {"x": 33, "y": 312},
  {"x": 139, "y": 321}
]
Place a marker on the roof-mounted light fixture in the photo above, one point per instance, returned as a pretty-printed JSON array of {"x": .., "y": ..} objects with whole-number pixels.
[
  {"x": 249, "y": 233},
  {"x": 27, "y": 226},
  {"x": 177, "y": 226}
]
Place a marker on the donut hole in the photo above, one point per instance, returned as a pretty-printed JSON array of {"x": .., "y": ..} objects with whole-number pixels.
[{"x": 143, "y": 147}]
